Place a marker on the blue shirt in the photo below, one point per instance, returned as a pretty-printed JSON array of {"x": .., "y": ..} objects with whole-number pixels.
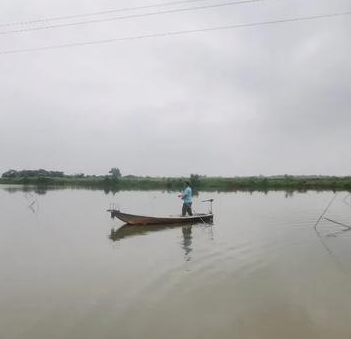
[{"x": 187, "y": 195}]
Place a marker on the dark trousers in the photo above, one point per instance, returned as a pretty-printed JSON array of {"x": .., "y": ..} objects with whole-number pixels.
[{"x": 187, "y": 209}]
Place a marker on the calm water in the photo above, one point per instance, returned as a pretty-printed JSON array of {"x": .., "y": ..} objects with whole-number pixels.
[{"x": 261, "y": 271}]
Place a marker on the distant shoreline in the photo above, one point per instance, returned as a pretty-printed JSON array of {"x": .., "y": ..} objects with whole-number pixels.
[{"x": 254, "y": 183}]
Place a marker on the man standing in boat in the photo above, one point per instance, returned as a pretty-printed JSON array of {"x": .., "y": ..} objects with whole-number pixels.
[{"x": 187, "y": 199}]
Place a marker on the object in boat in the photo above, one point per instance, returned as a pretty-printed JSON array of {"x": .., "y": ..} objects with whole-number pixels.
[{"x": 132, "y": 219}]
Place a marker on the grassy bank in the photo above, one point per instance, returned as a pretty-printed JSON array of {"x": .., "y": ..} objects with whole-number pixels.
[{"x": 200, "y": 183}]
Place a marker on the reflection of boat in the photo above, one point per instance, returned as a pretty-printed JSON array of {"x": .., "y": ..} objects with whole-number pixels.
[
  {"x": 145, "y": 220},
  {"x": 127, "y": 231}
]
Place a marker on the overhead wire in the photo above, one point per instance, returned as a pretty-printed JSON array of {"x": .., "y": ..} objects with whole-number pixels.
[
  {"x": 125, "y": 9},
  {"x": 174, "y": 33},
  {"x": 133, "y": 16}
]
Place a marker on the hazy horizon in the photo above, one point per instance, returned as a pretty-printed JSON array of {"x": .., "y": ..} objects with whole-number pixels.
[{"x": 181, "y": 176}]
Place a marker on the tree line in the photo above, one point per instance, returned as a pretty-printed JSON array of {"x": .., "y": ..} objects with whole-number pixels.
[
  {"x": 32, "y": 173},
  {"x": 42, "y": 173}
]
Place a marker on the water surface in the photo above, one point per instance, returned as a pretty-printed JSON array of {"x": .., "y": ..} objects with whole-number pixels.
[{"x": 260, "y": 271}]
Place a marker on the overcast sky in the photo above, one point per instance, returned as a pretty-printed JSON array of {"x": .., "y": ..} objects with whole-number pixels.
[{"x": 265, "y": 100}]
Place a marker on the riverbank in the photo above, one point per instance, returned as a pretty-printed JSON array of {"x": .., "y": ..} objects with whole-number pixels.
[{"x": 258, "y": 183}]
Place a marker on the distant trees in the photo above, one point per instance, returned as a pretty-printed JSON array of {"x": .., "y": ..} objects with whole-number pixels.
[
  {"x": 10, "y": 174},
  {"x": 130, "y": 176},
  {"x": 195, "y": 180},
  {"x": 115, "y": 172},
  {"x": 32, "y": 173}
]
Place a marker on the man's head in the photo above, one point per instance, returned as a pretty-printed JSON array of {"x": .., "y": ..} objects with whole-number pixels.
[{"x": 186, "y": 183}]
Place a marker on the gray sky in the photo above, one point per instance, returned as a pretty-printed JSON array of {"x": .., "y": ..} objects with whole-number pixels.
[{"x": 262, "y": 100}]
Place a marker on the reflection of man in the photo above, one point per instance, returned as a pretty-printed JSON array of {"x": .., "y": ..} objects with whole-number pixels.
[
  {"x": 187, "y": 237},
  {"x": 187, "y": 199}
]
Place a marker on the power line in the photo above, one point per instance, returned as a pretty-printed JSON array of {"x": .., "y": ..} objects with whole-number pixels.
[
  {"x": 175, "y": 33},
  {"x": 133, "y": 16},
  {"x": 74, "y": 16}
]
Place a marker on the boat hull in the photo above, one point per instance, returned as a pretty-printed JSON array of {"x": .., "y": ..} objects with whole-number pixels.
[{"x": 132, "y": 219}]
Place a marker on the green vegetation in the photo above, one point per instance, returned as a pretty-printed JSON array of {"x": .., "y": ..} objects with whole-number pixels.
[
  {"x": 115, "y": 172},
  {"x": 115, "y": 181}
]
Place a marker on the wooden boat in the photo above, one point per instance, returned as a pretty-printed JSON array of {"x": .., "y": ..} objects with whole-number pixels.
[{"x": 132, "y": 219}]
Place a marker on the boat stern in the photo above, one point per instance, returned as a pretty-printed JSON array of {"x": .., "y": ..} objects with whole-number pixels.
[{"x": 113, "y": 213}]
